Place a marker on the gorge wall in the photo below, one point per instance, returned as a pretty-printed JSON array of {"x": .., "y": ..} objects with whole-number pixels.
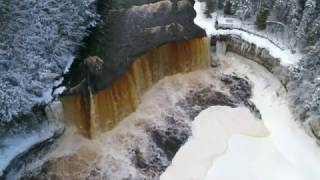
[
  {"x": 233, "y": 43},
  {"x": 246, "y": 49}
]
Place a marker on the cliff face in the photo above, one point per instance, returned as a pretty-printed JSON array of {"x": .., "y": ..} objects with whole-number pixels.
[
  {"x": 125, "y": 33},
  {"x": 101, "y": 111},
  {"x": 246, "y": 49}
]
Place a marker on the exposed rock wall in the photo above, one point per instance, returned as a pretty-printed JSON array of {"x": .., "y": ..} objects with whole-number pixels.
[
  {"x": 251, "y": 51},
  {"x": 101, "y": 111},
  {"x": 248, "y": 50}
]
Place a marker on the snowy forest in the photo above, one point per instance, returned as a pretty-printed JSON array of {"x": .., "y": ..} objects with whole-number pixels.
[
  {"x": 42, "y": 40},
  {"x": 38, "y": 42}
]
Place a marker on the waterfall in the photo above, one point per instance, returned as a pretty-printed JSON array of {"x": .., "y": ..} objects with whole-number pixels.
[
  {"x": 100, "y": 112},
  {"x": 221, "y": 49},
  {"x": 55, "y": 111}
]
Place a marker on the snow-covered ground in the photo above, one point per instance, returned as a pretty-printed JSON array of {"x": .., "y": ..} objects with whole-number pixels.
[{"x": 287, "y": 153}]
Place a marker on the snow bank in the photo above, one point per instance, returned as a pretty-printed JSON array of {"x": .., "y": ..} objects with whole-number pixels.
[{"x": 209, "y": 24}]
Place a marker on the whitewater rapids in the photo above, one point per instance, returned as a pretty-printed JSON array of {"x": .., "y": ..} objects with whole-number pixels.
[{"x": 286, "y": 152}]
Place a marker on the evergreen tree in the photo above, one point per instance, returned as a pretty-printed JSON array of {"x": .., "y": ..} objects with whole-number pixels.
[
  {"x": 219, "y": 4},
  {"x": 227, "y": 8},
  {"x": 306, "y": 23},
  {"x": 261, "y": 19},
  {"x": 210, "y": 7},
  {"x": 313, "y": 34},
  {"x": 281, "y": 10}
]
